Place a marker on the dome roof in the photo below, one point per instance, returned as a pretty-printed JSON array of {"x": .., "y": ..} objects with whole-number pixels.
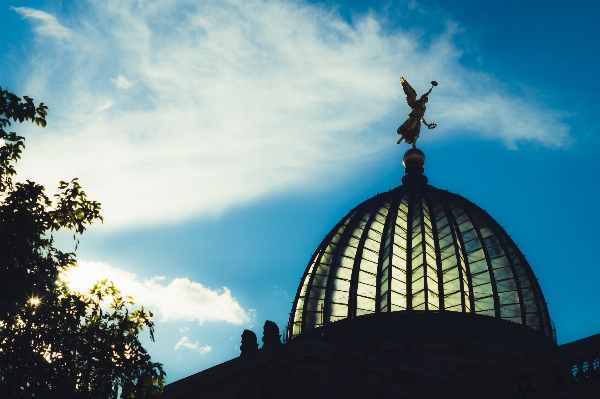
[{"x": 418, "y": 248}]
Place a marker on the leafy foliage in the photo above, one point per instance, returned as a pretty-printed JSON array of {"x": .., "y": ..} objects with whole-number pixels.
[{"x": 55, "y": 343}]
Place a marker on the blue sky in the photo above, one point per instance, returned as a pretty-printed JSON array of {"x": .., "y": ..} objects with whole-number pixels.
[{"x": 225, "y": 139}]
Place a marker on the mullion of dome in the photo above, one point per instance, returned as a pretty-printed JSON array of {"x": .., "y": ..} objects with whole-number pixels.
[
  {"x": 431, "y": 266},
  {"x": 362, "y": 294},
  {"x": 418, "y": 263},
  {"x": 324, "y": 255},
  {"x": 465, "y": 286},
  {"x": 338, "y": 288},
  {"x": 504, "y": 267},
  {"x": 491, "y": 250},
  {"x": 398, "y": 273},
  {"x": 385, "y": 261},
  {"x": 478, "y": 269},
  {"x": 436, "y": 213}
]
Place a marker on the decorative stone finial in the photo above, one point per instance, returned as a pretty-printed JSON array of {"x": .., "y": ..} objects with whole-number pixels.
[
  {"x": 249, "y": 343},
  {"x": 271, "y": 337},
  {"x": 413, "y": 161},
  {"x": 413, "y": 157}
]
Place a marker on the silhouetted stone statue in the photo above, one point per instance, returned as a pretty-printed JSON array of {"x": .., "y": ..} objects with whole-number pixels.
[
  {"x": 412, "y": 127},
  {"x": 271, "y": 337},
  {"x": 249, "y": 343}
]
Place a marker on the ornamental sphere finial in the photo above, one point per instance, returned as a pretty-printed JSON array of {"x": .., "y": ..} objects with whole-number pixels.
[{"x": 413, "y": 157}]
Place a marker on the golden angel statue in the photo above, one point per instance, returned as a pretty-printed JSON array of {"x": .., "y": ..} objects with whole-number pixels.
[{"x": 412, "y": 127}]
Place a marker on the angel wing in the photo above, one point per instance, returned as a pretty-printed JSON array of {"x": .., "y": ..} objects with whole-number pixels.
[{"x": 411, "y": 94}]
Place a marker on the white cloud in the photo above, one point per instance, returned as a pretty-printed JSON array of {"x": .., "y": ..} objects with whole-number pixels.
[
  {"x": 106, "y": 106},
  {"x": 121, "y": 82},
  {"x": 236, "y": 100},
  {"x": 48, "y": 24},
  {"x": 186, "y": 343},
  {"x": 180, "y": 299}
]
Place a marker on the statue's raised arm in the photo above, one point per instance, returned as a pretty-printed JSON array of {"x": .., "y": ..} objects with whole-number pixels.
[{"x": 412, "y": 127}]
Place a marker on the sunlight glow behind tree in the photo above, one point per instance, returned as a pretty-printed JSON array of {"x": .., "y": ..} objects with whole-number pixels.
[{"x": 54, "y": 342}]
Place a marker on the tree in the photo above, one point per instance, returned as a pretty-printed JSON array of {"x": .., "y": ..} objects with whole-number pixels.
[{"x": 55, "y": 343}]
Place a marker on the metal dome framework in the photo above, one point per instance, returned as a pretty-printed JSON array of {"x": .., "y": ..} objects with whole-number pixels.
[{"x": 417, "y": 248}]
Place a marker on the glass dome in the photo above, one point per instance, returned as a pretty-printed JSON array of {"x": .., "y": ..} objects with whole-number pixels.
[{"x": 417, "y": 248}]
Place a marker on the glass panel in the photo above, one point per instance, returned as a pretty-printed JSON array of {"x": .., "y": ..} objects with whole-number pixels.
[
  {"x": 530, "y": 306},
  {"x": 339, "y": 298},
  {"x": 367, "y": 274},
  {"x": 452, "y": 285},
  {"x": 316, "y": 306},
  {"x": 353, "y": 241},
  {"x": 486, "y": 232},
  {"x": 532, "y": 319},
  {"x": 472, "y": 245},
  {"x": 500, "y": 263},
  {"x": 527, "y": 294},
  {"x": 460, "y": 216},
  {"x": 491, "y": 241},
  {"x": 465, "y": 226},
  {"x": 369, "y": 253},
  {"x": 495, "y": 251},
  {"x": 510, "y": 311},
  {"x": 399, "y": 247},
  {"x": 453, "y": 301},
  {"x": 364, "y": 305},
  {"x": 484, "y": 304},
  {"x": 475, "y": 256},
  {"x": 368, "y": 266},
  {"x": 384, "y": 276},
  {"x": 468, "y": 236},
  {"x": 444, "y": 230},
  {"x": 447, "y": 252},
  {"x": 416, "y": 253},
  {"x": 417, "y": 238},
  {"x": 398, "y": 261},
  {"x": 508, "y": 298},
  {"x": 481, "y": 278},
  {"x": 398, "y": 281},
  {"x": 341, "y": 285},
  {"x": 343, "y": 272},
  {"x": 367, "y": 278},
  {"x": 417, "y": 274},
  {"x": 349, "y": 252},
  {"x": 506, "y": 285},
  {"x": 418, "y": 300},
  {"x": 433, "y": 300},
  {"x": 446, "y": 241},
  {"x": 464, "y": 273},
  {"x": 482, "y": 290},
  {"x": 366, "y": 290},
  {"x": 398, "y": 301},
  {"x": 478, "y": 267}
]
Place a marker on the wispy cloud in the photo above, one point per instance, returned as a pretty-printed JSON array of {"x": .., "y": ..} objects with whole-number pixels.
[
  {"x": 48, "y": 25},
  {"x": 180, "y": 299},
  {"x": 237, "y": 100},
  {"x": 121, "y": 82},
  {"x": 186, "y": 343},
  {"x": 106, "y": 106}
]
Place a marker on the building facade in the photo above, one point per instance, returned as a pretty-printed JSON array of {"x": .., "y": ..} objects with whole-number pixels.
[{"x": 415, "y": 293}]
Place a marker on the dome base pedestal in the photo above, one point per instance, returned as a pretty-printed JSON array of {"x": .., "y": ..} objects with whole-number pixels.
[{"x": 447, "y": 342}]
